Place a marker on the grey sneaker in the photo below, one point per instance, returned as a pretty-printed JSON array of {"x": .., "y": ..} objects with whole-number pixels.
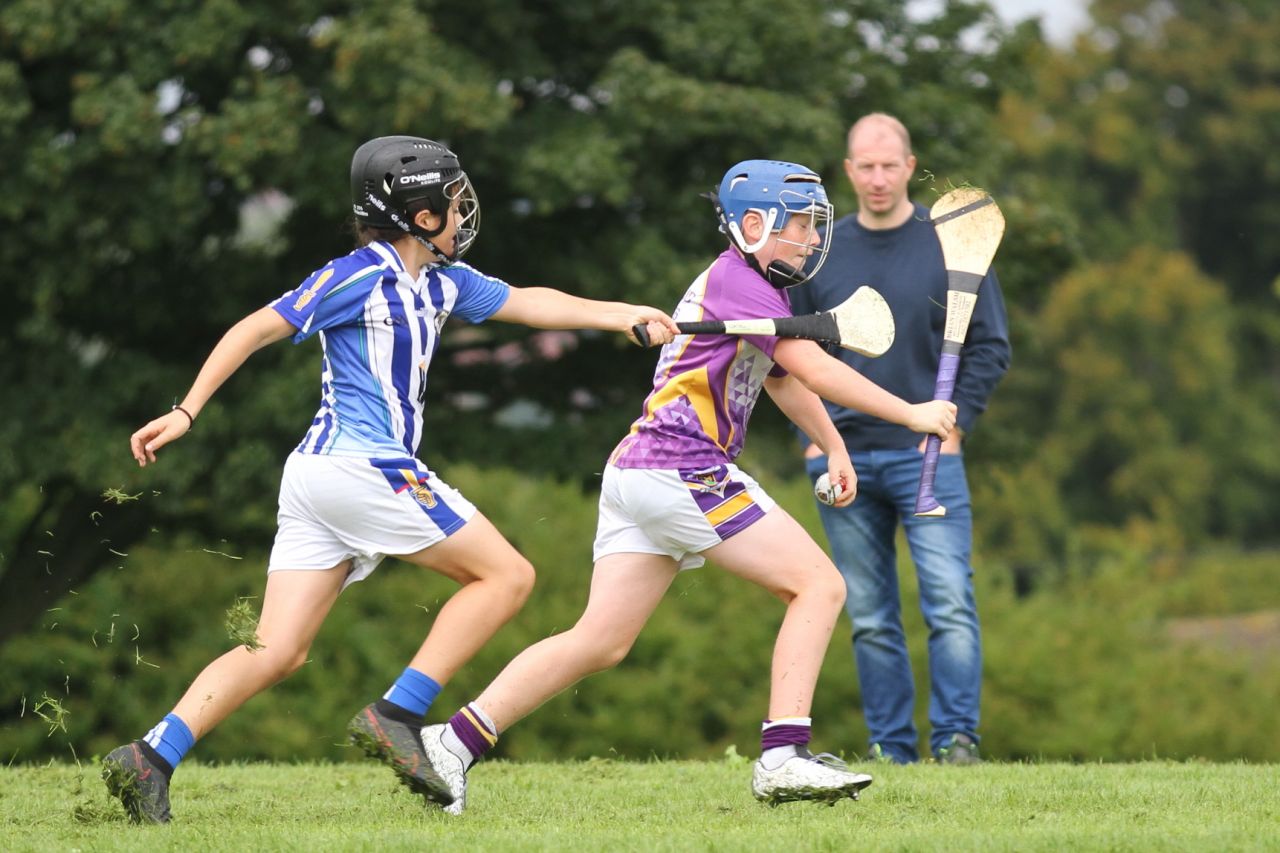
[
  {"x": 398, "y": 745},
  {"x": 877, "y": 755},
  {"x": 960, "y": 749},
  {"x": 451, "y": 766},
  {"x": 805, "y": 776},
  {"x": 140, "y": 786}
]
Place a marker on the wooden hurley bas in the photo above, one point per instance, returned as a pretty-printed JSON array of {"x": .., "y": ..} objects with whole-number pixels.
[{"x": 970, "y": 227}]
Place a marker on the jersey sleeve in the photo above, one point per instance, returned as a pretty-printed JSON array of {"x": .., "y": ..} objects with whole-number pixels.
[
  {"x": 480, "y": 296},
  {"x": 327, "y": 298}
]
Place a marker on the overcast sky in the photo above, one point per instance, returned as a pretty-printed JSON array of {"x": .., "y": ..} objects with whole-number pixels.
[{"x": 1059, "y": 19}]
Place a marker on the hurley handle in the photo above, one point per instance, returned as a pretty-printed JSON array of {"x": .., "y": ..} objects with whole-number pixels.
[
  {"x": 704, "y": 327},
  {"x": 943, "y": 388}
]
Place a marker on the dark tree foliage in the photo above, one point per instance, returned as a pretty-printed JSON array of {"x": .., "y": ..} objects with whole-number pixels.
[{"x": 149, "y": 143}]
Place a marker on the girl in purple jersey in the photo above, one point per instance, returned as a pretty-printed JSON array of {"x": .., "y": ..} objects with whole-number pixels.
[
  {"x": 672, "y": 496},
  {"x": 353, "y": 490}
]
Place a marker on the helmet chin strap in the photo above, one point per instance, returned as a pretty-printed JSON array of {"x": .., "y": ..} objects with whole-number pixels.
[
  {"x": 787, "y": 275},
  {"x": 779, "y": 273},
  {"x": 421, "y": 235},
  {"x": 433, "y": 249}
]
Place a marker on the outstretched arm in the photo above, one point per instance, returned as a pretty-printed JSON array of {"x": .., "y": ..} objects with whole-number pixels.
[
  {"x": 546, "y": 308},
  {"x": 242, "y": 340},
  {"x": 836, "y": 381}
]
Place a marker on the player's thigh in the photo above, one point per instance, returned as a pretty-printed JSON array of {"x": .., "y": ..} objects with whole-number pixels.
[
  {"x": 296, "y": 603},
  {"x": 625, "y": 590},
  {"x": 776, "y": 553},
  {"x": 475, "y": 551}
]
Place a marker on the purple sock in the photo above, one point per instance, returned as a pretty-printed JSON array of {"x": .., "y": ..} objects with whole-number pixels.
[
  {"x": 791, "y": 731},
  {"x": 473, "y": 727}
]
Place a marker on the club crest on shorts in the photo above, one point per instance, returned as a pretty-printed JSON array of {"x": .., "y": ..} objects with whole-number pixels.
[
  {"x": 710, "y": 480},
  {"x": 417, "y": 486}
]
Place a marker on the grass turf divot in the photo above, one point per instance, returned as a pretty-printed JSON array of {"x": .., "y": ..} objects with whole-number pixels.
[{"x": 122, "y": 783}]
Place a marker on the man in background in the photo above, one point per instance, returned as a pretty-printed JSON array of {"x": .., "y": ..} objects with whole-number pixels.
[{"x": 891, "y": 245}]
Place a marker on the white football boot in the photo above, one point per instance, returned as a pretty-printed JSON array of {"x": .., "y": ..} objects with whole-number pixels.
[
  {"x": 805, "y": 776},
  {"x": 444, "y": 758}
]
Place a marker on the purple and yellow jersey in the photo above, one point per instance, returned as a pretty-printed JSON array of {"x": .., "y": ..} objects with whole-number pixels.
[
  {"x": 705, "y": 386},
  {"x": 379, "y": 326}
]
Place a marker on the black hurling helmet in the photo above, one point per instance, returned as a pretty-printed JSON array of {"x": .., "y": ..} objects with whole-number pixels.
[{"x": 390, "y": 174}]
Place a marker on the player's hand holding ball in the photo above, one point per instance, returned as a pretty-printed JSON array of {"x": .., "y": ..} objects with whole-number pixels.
[{"x": 838, "y": 492}]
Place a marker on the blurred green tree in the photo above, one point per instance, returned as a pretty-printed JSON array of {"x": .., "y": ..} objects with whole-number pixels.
[
  {"x": 175, "y": 164},
  {"x": 1157, "y": 132},
  {"x": 1135, "y": 411}
]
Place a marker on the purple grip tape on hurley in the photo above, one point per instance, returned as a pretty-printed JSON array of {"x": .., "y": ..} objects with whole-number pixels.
[{"x": 943, "y": 388}]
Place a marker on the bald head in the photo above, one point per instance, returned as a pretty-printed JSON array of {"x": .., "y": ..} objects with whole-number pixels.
[
  {"x": 880, "y": 166},
  {"x": 879, "y": 127}
]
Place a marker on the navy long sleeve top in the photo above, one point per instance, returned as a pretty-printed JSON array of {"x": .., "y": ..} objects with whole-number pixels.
[{"x": 905, "y": 265}]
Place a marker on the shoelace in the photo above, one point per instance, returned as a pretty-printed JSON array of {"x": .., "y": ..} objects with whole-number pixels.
[
  {"x": 824, "y": 758},
  {"x": 830, "y": 761}
]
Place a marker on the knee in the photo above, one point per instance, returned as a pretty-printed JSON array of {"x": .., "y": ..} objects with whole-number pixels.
[
  {"x": 282, "y": 660},
  {"x": 953, "y": 613},
  {"x": 835, "y": 589},
  {"x": 517, "y": 581},
  {"x": 599, "y": 651},
  {"x": 878, "y": 625},
  {"x": 824, "y": 587},
  {"x": 949, "y": 598},
  {"x": 609, "y": 655}
]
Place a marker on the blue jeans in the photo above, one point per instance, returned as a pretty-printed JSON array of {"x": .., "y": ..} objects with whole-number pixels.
[{"x": 862, "y": 544}]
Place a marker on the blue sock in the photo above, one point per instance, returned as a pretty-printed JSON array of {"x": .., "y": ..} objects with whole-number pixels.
[
  {"x": 170, "y": 739},
  {"x": 413, "y": 691}
]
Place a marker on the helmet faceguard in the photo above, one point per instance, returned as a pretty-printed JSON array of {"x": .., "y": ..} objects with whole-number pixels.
[
  {"x": 776, "y": 191},
  {"x": 393, "y": 175}
]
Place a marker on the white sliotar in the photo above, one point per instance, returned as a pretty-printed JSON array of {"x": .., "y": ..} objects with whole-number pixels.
[{"x": 825, "y": 491}]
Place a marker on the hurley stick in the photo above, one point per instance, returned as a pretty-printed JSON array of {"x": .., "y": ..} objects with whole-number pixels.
[
  {"x": 862, "y": 323},
  {"x": 969, "y": 226}
]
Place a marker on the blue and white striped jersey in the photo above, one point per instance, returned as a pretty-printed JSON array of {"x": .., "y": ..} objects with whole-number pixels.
[{"x": 379, "y": 326}]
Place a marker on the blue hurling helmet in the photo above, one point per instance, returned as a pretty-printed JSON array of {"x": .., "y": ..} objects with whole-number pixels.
[{"x": 775, "y": 190}]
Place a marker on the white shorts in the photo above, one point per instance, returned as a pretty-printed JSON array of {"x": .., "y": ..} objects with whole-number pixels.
[
  {"x": 334, "y": 508},
  {"x": 679, "y": 513}
]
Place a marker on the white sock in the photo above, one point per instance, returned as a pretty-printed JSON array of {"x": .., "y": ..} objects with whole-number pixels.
[
  {"x": 482, "y": 716},
  {"x": 772, "y": 759},
  {"x": 454, "y": 744}
]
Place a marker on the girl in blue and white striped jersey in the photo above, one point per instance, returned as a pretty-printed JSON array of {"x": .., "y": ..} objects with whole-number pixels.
[{"x": 353, "y": 490}]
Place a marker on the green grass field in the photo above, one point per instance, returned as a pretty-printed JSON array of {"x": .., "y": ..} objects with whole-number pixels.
[{"x": 613, "y": 805}]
